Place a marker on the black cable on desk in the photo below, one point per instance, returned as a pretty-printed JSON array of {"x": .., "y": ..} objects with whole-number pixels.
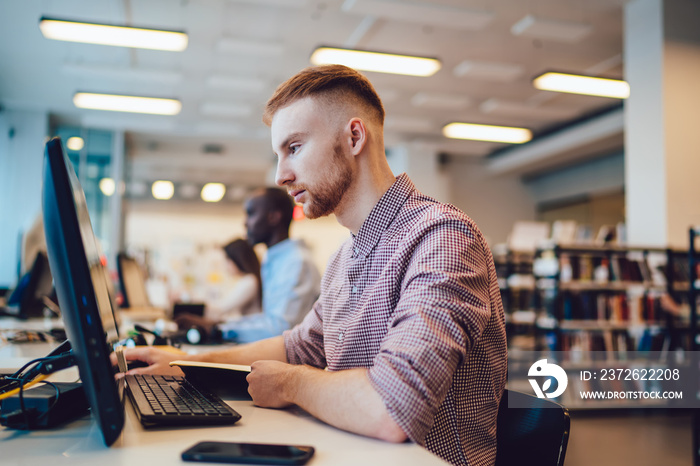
[{"x": 45, "y": 365}]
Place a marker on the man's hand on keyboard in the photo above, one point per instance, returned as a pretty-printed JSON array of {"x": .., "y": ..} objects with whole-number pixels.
[{"x": 149, "y": 360}]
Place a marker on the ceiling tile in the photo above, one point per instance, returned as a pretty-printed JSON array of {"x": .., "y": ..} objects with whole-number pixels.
[
  {"x": 488, "y": 71},
  {"x": 562, "y": 31},
  {"x": 421, "y": 13}
]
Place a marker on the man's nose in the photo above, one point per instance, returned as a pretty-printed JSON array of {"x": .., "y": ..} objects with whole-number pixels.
[{"x": 283, "y": 175}]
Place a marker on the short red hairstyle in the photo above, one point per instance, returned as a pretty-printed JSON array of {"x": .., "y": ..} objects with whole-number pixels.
[{"x": 334, "y": 82}]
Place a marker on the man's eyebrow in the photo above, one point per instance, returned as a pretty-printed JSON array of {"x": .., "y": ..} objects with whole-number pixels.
[{"x": 290, "y": 138}]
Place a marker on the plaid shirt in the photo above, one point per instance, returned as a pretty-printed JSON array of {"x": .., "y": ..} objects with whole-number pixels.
[{"x": 414, "y": 298}]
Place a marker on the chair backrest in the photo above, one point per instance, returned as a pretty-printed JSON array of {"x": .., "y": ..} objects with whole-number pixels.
[
  {"x": 132, "y": 282},
  {"x": 536, "y": 433}
]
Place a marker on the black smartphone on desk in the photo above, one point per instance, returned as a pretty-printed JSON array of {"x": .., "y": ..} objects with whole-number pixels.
[{"x": 248, "y": 453}]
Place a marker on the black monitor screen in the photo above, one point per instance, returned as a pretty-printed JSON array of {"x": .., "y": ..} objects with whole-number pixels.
[
  {"x": 26, "y": 299},
  {"x": 81, "y": 285}
]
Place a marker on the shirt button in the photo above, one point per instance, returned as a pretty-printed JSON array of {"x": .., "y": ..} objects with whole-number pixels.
[{"x": 354, "y": 289}]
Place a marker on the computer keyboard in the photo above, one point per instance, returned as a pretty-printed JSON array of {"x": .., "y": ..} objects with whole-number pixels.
[{"x": 173, "y": 400}]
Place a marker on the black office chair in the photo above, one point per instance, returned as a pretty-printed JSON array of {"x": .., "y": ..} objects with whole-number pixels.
[{"x": 537, "y": 433}]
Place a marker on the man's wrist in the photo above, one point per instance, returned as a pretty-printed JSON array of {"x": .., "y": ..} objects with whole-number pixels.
[{"x": 292, "y": 383}]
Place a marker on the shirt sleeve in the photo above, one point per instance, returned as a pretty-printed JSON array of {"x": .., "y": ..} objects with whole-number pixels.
[
  {"x": 292, "y": 290},
  {"x": 304, "y": 343},
  {"x": 442, "y": 311}
]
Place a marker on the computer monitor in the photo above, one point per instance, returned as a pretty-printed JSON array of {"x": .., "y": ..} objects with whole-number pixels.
[
  {"x": 26, "y": 300},
  {"x": 81, "y": 286}
]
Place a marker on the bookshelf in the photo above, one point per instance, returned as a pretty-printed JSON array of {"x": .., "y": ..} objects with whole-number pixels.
[
  {"x": 518, "y": 294},
  {"x": 597, "y": 303},
  {"x": 609, "y": 298}
]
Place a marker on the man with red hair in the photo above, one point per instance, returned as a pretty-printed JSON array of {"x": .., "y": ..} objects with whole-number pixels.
[{"x": 407, "y": 340}]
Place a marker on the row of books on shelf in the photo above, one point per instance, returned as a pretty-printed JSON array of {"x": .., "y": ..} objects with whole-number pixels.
[
  {"x": 518, "y": 299},
  {"x": 604, "y": 307},
  {"x": 585, "y": 344},
  {"x": 632, "y": 267}
]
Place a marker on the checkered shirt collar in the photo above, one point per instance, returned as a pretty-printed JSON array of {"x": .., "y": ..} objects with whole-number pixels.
[{"x": 381, "y": 216}]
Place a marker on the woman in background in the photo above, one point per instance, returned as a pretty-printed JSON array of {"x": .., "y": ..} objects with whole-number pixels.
[{"x": 246, "y": 297}]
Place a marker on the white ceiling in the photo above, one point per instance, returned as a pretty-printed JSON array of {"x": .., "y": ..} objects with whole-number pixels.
[{"x": 239, "y": 50}]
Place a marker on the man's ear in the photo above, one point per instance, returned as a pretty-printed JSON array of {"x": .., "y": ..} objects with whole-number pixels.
[{"x": 357, "y": 135}]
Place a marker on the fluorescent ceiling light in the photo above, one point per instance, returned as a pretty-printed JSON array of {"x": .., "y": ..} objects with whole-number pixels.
[
  {"x": 576, "y": 84},
  {"x": 107, "y": 186},
  {"x": 126, "y": 103},
  {"x": 213, "y": 192},
  {"x": 75, "y": 143},
  {"x": 475, "y": 132},
  {"x": 376, "y": 61},
  {"x": 162, "y": 189},
  {"x": 120, "y": 36}
]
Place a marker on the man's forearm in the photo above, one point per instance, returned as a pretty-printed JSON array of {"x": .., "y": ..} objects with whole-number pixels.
[
  {"x": 344, "y": 399},
  {"x": 269, "y": 349}
]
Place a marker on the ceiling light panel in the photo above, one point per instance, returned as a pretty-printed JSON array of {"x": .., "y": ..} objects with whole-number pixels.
[
  {"x": 119, "y": 36},
  {"x": 235, "y": 83},
  {"x": 488, "y": 71},
  {"x": 442, "y": 16},
  {"x": 127, "y": 103},
  {"x": 561, "y": 31},
  {"x": 75, "y": 143},
  {"x": 230, "y": 45},
  {"x": 377, "y": 61},
  {"x": 475, "y": 132},
  {"x": 107, "y": 186},
  {"x": 440, "y": 101},
  {"x": 213, "y": 192},
  {"x": 163, "y": 189},
  {"x": 586, "y": 85}
]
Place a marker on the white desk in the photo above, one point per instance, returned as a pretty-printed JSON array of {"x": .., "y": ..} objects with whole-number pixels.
[{"x": 80, "y": 442}]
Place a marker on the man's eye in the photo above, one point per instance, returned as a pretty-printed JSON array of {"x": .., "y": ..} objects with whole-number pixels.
[{"x": 294, "y": 149}]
